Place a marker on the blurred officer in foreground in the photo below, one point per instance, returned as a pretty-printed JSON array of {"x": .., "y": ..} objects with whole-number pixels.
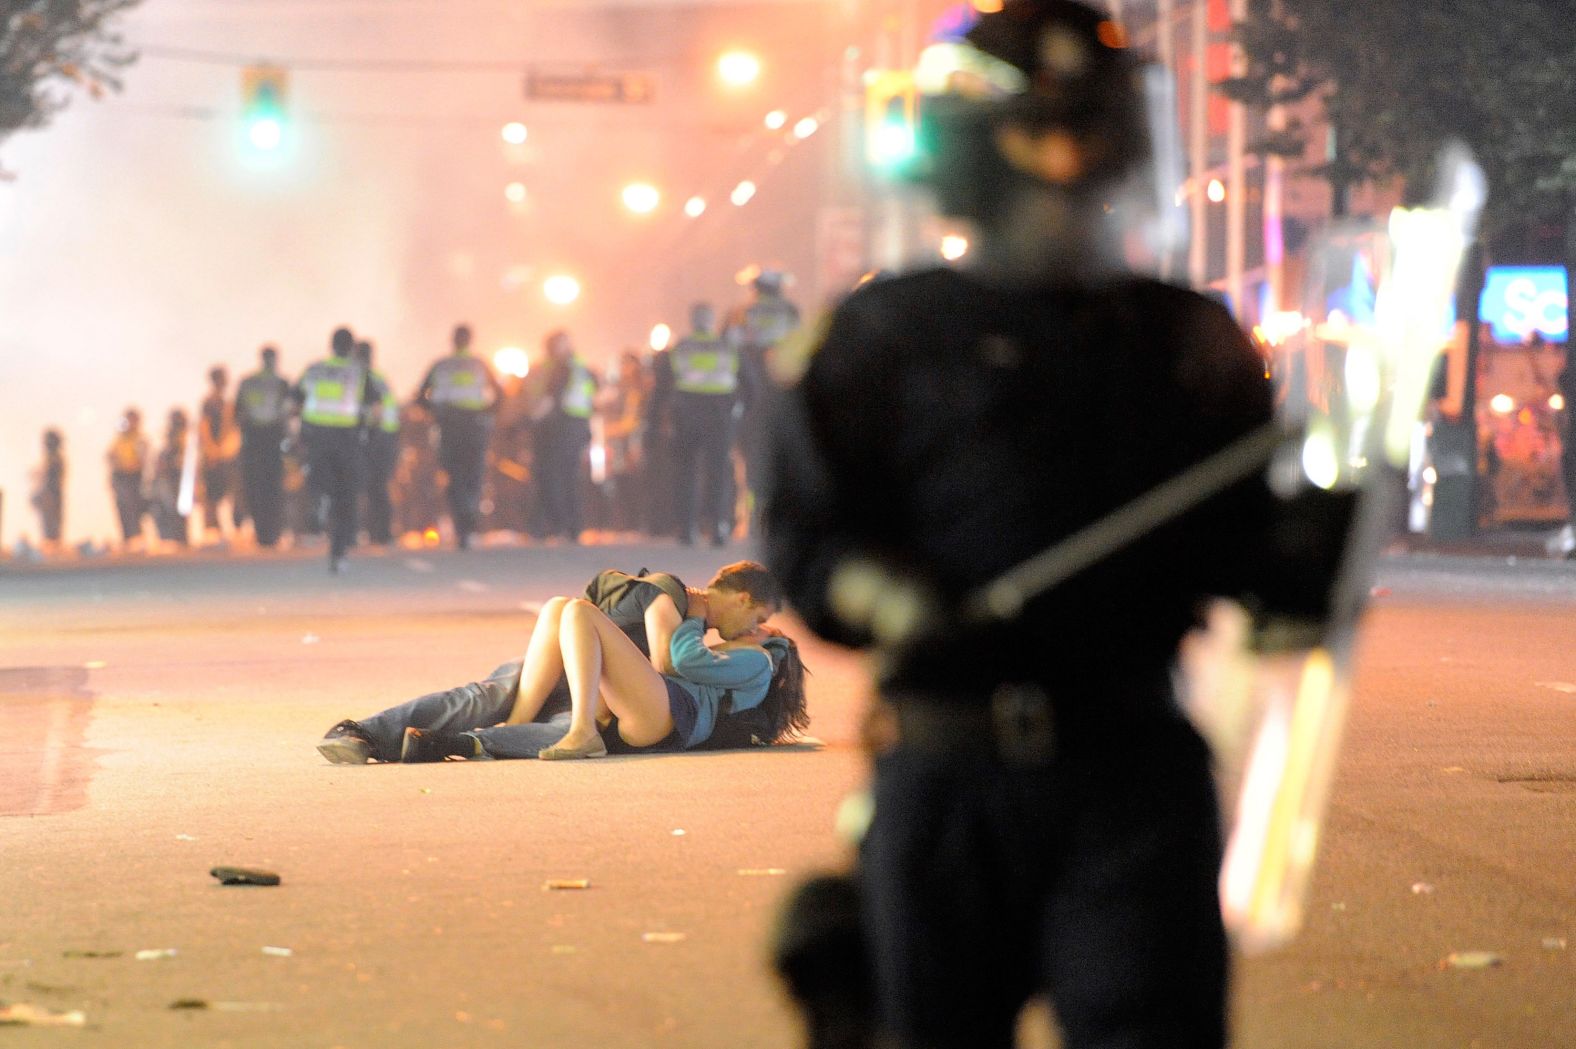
[
  {"x": 262, "y": 411},
  {"x": 382, "y": 450},
  {"x": 1045, "y": 820},
  {"x": 334, "y": 395},
  {"x": 699, "y": 378},
  {"x": 462, "y": 393}
]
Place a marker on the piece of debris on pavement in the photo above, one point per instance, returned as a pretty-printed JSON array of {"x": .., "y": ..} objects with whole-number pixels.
[
  {"x": 555, "y": 884},
  {"x": 1471, "y": 960},
  {"x": 26, "y": 1014},
  {"x": 661, "y": 937},
  {"x": 244, "y": 876},
  {"x": 155, "y": 953},
  {"x": 278, "y": 952}
]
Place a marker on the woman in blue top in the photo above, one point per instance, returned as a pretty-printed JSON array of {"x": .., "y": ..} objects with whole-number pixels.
[{"x": 610, "y": 678}]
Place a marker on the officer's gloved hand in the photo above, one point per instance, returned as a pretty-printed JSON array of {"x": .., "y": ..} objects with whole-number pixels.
[{"x": 896, "y": 609}]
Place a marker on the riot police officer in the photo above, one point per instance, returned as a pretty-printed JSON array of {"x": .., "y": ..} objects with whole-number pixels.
[
  {"x": 563, "y": 432},
  {"x": 334, "y": 396},
  {"x": 756, "y": 330},
  {"x": 1045, "y": 819},
  {"x": 262, "y": 411},
  {"x": 699, "y": 378},
  {"x": 462, "y": 393},
  {"x": 382, "y": 450}
]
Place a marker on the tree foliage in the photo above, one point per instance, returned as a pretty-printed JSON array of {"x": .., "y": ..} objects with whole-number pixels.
[
  {"x": 1395, "y": 78},
  {"x": 49, "y": 48}
]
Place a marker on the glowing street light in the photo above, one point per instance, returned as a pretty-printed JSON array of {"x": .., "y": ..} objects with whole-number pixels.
[
  {"x": 514, "y": 133},
  {"x": 742, "y": 193},
  {"x": 512, "y": 360},
  {"x": 661, "y": 337},
  {"x": 641, "y": 197},
  {"x": 738, "y": 68},
  {"x": 806, "y": 127},
  {"x": 775, "y": 120},
  {"x": 515, "y": 193},
  {"x": 954, "y": 247},
  {"x": 561, "y": 289},
  {"x": 694, "y": 207},
  {"x": 1216, "y": 190},
  {"x": 265, "y": 133}
]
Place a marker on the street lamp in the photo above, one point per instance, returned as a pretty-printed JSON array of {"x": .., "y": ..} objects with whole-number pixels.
[
  {"x": 695, "y": 207},
  {"x": 514, "y": 133},
  {"x": 742, "y": 193},
  {"x": 641, "y": 197},
  {"x": 561, "y": 289},
  {"x": 661, "y": 337},
  {"x": 738, "y": 68}
]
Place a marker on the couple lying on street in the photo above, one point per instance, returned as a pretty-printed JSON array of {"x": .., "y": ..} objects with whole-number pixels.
[{"x": 624, "y": 668}]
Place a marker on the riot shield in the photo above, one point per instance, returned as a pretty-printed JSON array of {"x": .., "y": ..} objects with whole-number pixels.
[{"x": 1352, "y": 370}]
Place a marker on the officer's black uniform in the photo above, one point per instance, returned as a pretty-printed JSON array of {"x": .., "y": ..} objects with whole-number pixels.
[
  {"x": 698, "y": 382},
  {"x": 462, "y": 393},
  {"x": 335, "y": 397},
  {"x": 1047, "y": 822}
]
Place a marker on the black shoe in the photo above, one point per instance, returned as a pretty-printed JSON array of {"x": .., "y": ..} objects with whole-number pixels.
[
  {"x": 347, "y": 743},
  {"x": 423, "y": 745}
]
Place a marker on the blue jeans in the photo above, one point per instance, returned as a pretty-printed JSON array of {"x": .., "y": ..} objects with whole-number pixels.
[{"x": 474, "y": 710}]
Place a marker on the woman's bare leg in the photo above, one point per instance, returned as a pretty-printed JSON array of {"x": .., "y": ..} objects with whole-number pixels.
[
  {"x": 602, "y": 663},
  {"x": 544, "y": 664}
]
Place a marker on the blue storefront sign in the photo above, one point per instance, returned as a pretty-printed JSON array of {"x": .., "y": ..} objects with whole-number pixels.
[{"x": 1519, "y": 300}]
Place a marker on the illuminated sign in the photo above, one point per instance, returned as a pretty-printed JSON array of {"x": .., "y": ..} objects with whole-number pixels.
[{"x": 1518, "y": 300}]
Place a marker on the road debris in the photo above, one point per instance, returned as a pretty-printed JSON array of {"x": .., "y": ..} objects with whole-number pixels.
[
  {"x": 1421, "y": 888},
  {"x": 226, "y": 1007},
  {"x": 555, "y": 884},
  {"x": 761, "y": 872},
  {"x": 94, "y": 664},
  {"x": 26, "y": 1014},
  {"x": 661, "y": 937},
  {"x": 278, "y": 952},
  {"x": 1471, "y": 960},
  {"x": 678, "y": 832},
  {"x": 244, "y": 876},
  {"x": 155, "y": 953},
  {"x": 310, "y": 639},
  {"x": 184, "y": 837},
  {"x": 92, "y": 954},
  {"x": 1554, "y": 943}
]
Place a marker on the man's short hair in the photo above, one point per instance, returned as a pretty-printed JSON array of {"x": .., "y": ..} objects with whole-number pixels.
[{"x": 748, "y": 577}]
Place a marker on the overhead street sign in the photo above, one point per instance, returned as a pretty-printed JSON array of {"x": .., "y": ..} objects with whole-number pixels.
[{"x": 589, "y": 87}]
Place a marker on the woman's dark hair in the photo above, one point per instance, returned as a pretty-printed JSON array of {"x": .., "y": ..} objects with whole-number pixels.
[{"x": 787, "y": 715}]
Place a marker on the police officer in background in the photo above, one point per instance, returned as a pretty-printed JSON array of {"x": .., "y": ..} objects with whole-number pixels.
[
  {"x": 756, "y": 329},
  {"x": 334, "y": 397},
  {"x": 382, "y": 450},
  {"x": 1045, "y": 819},
  {"x": 699, "y": 381},
  {"x": 462, "y": 393},
  {"x": 262, "y": 411},
  {"x": 563, "y": 432}
]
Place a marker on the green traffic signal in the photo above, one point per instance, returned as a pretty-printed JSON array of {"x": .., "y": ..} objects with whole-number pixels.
[{"x": 263, "y": 107}]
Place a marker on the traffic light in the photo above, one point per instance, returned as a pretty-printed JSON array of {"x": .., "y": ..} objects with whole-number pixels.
[
  {"x": 263, "y": 106},
  {"x": 891, "y": 121}
]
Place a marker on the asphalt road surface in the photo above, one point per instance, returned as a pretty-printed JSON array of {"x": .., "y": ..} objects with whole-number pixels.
[{"x": 158, "y": 718}]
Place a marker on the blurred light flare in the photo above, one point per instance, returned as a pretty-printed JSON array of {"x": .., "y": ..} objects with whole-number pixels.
[
  {"x": 1502, "y": 404},
  {"x": 266, "y": 133},
  {"x": 775, "y": 120},
  {"x": 1216, "y": 191},
  {"x": 661, "y": 337},
  {"x": 694, "y": 207},
  {"x": 954, "y": 246},
  {"x": 561, "y": 289},
  {"x": 641, "y": 198},
  {"x": 738, "y": 68},
  {"x": 742, "y": 193},
  {"x": 515, "y": 193},
  {"x": 513, "y": 360},
  {"x": 806, "y": 127},
  {"x": 515, "y": 133}
]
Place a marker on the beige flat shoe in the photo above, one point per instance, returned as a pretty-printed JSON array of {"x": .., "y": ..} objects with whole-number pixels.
[{"x": 595, "y": 749}]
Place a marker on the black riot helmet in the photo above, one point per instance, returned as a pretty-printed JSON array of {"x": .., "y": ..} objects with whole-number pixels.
[{"x": 1053, "y": 70}]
